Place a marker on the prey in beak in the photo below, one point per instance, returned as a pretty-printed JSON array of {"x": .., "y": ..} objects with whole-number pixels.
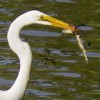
[
  {"x": 67, "y": 29},
  {"x": 57, "y": 23}
]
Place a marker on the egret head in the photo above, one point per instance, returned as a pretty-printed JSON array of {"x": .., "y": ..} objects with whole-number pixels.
[{"x": 38, "y": 17}]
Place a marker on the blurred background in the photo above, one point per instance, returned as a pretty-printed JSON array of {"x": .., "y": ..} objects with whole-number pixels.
[{"x": 59, "y": 71}]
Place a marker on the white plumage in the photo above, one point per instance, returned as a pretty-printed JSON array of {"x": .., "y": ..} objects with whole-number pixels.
[{"x": 22, "y": 50}]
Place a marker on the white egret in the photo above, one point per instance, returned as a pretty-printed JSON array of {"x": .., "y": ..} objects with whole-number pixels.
[{"x": 22, "y": 49}]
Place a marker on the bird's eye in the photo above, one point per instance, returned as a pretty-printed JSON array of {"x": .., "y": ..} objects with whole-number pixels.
[{"x": 41, "y": 17}]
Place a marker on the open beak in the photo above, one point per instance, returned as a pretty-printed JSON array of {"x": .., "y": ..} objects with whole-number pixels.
[{"x": 58, "y": 23}]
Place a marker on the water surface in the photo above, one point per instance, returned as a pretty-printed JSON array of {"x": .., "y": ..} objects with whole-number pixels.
[{"x": 59, "y": 71}]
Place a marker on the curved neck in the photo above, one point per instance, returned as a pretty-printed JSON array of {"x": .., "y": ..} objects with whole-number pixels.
[{"x": 23, "y": 51}]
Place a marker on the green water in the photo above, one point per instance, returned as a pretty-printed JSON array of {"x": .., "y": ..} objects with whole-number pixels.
[{"x": 66, "y": 76}]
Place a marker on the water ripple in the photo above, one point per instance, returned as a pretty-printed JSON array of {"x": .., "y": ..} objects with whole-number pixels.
[
  {"x": 63, "y": 1},
  {"x": 44, "y": 83},
  {"x": 39, "y": 33},
  {"x": 67, "y": 74},
  {"x": 39, "y": 93},
  {"x": 5, "y": 82},
  {"x": 92, "y": 54}
]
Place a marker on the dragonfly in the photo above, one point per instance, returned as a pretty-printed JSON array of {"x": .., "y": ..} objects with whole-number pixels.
[{"x": 77, "y": 32}]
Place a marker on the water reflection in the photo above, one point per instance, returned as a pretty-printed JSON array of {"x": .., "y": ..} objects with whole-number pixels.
[
  {"x": 63, "y": 1},
  {"x": 71, "y": 89},
  {"x": 64, "y": 79},
  {"x": 3, "y": 40},
  {"x": 92, "y": 54},
  {"x": 5, "y": 23},
  {"x": 5, "y": 61},
  {"x": 6, "y": 82},
  {"x": 53, "y": 51},
  {"x": 67, "y": 74},
  {"x": 39, "y": 33},
  {"x": 39, "y": 93},
  {"x": 57, "y": 51},
  {"x": 2, "y": 10},
  {"x": 44, "y": 83},
  {"x": 86, "y": 28},
  {"x": 69, "y": 61}
]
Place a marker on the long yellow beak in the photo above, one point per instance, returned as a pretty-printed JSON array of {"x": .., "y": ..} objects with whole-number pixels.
[{"x": 58, "y": 23}]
